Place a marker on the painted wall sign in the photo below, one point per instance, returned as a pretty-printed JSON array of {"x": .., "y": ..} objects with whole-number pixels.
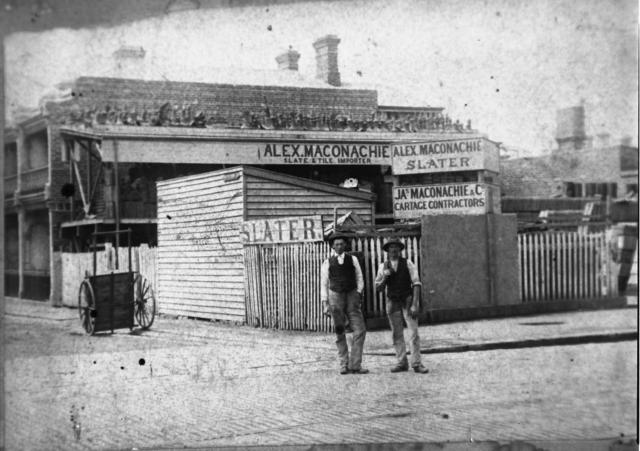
[
  {"x": 451, "y": 198},
  {"x": 444, "y": 156},
  {"x": 282, "y": 230}
]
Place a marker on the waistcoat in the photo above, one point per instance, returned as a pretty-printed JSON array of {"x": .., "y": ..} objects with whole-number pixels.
[
  {"x": 342, "y": 278},
  {"x": 399, "y": 282}
]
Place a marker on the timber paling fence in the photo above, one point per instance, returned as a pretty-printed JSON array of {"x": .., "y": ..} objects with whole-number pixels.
[
  {"x": 282, "y": 283},
  {"x": 564, "y": 266}
]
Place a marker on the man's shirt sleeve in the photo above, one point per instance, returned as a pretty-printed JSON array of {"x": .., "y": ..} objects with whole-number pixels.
[
  {"x": 413, "y": 272},
  {"x": 324, "y": 281},
  {"x": 359, "y": 278},
  {"x": 380, "y": 276}
]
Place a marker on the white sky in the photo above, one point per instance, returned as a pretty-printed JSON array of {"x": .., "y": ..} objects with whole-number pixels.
[{"x": 506, "y": 65}]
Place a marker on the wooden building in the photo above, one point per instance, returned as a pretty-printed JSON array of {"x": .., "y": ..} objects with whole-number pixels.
[{"x": 203, "y": 220}]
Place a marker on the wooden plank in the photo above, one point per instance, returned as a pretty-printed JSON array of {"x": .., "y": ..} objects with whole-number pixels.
[
  {"x": 206, "y": 306},
  {"x": 202, "y": 287},
  {"x": 222, "y": 296},
  {"x": 262, "y": 190},
  {"x": 317, "y": 207},
  {"x": 551, "y": 262},
  {"x": 201, "y": 226},
  {"x": 209, "y": 180},
  {"x": 204, "y": 315},
  {"x": 210, "y": 287},
  {"x": 211, "y": 294},
  {"x": 222, "y": 190},
  {"x": 524, "y": 267},
  {"x": 284, "y": 181},
  {"x": 203, "y": 267},
  {"x": 211, "y": 304},
  {"x": 591, "y": 266},
  {"x": 204, "y": 280},
  {"x": 197, "y": 178},
  {"x": 546, "y": 266},
  {"x": 565, "y": 265},
  {"x": 201, "y": 258},
  {"x": 521, "y": 265},
  {"x": 572, "y": 267},
  {"x": 534, "y": 267},
  {"x": 221, "y": 219},
  {"x": 579, "y": 266},
  {"x": 201, "y": 203},
  {"x": 204, "y": 209}
]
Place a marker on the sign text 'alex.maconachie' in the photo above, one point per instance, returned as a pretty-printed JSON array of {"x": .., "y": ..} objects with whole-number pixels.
[
  {"x": 282, "y": 230},
  {"x": 454, "y": 198},
  {"x": 324, "y": 153},
  {"x": 438, "y": 156}
]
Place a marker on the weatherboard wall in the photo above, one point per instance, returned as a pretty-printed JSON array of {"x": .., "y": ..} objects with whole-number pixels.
[
  {"x": 200, "y": 265},
  {"x": 271, "y": 195}
]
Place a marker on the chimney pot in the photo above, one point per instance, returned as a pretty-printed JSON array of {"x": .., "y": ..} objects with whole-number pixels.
[
  {"x": 327, "y": 59},
  {"x": 288, "y": 60}
]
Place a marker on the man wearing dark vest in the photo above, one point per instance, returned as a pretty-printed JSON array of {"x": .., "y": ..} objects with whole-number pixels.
[
  {"x": 401, "y": 279},
  {"x": 341, "y": 285}
]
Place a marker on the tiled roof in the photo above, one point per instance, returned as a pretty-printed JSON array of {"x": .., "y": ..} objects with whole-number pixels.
[
  {"x": 529, "y": 177},
  {"x": 226, "y": 101}
]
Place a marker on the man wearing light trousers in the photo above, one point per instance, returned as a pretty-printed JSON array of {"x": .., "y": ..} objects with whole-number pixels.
[
  {"x": 341, "y": 286},
  {"x": 400, "y": 278}
]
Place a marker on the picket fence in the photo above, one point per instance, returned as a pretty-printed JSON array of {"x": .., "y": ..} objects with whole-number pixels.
[
  {"x": 76, "y": 264},
  {"x": 282, "y": 283},
  {"x": 564, "y": 266}
]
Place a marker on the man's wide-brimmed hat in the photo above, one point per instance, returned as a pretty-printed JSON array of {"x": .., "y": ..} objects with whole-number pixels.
[
  {"x": 392, "y": 241},
  {"x": 336, "y": 235}
]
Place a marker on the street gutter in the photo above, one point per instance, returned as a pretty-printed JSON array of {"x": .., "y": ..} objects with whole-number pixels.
[{"x": 529, "y": 343}]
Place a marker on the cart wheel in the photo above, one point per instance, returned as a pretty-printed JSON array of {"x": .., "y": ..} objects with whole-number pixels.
[
  {"x": 145, "y": 302},
  {"x": 86, "y": 307}
]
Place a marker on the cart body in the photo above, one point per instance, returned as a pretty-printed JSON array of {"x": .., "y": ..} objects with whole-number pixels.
[{"x": 116, "y": 300}]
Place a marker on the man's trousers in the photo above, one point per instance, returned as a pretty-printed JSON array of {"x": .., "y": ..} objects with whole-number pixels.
[{"x": 342, "y": 306}]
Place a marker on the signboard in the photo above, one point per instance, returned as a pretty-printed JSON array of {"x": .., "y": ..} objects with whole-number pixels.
[
  {"x": 237, "y": 152},
  {"x": 282, "y": 230},
  {"x": 323, "y": 153},
  {"x": 450, "y": 198},
  {"x": 470, "y": 154}
]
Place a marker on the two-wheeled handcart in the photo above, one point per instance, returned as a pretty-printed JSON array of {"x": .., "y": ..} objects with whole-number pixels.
[{"x": 115, "y": 300}]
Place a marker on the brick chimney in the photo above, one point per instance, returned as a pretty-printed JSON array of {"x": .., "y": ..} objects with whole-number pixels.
[
  {"x": 327, "y": 59},
  {"x": 288, "y": 60},
  {"x": 570, "y": 131},
  {"x": 129, "y": 62}
]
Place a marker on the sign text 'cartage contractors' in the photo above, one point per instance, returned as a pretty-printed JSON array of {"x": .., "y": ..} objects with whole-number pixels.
[
  {"x": 454, "y": 198},
  {"x": 282, "y": 230},
  {"x": 439, "y": 156}
]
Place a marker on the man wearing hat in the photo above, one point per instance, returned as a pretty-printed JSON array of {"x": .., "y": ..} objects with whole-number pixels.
[
  {"x": 400, "y": 278},
  {"x": 341, "y": 285}
]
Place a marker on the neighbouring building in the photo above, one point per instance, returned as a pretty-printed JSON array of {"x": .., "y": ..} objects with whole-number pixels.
[
  {"x": 90, "y": 160},
  {"x": 580, "y": 167}
]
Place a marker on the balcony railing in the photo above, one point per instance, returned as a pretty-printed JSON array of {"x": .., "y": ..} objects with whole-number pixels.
[
  {"x": 10, "y": 185},
  {"x": 34, "y": 178}
]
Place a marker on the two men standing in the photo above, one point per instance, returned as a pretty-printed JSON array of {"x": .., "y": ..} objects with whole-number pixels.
[{"x": 341, "y": 291}]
